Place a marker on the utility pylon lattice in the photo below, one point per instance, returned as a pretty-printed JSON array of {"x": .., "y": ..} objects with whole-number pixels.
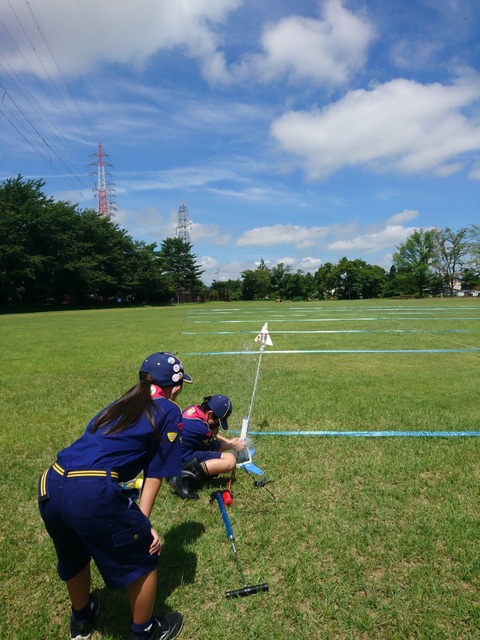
[
  {"x": 103, "y": 189},
  {"x": 183, "y": 224}
]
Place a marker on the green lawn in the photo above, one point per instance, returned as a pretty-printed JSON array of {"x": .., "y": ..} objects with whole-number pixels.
[{"x": 363, "y": 537}]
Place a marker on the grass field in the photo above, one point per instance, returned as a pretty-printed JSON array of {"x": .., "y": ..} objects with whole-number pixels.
[{"x": 372, "y": 537}]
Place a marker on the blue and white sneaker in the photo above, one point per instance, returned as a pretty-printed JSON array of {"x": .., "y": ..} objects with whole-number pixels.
[
  {"x": 168, "y": 627},
  {"x": 81, "y": 629}
]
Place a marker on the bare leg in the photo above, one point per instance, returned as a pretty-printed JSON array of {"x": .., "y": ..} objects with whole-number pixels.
[
  {"x": 225, "y": 464},
  {"x": 79, "y": 588},
  {"x": 141, "y": 595}
]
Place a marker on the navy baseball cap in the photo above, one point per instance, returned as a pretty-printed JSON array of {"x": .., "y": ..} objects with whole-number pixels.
[
  {"x": 166, "y": 369},
  {"x": 221, "y": 407}
]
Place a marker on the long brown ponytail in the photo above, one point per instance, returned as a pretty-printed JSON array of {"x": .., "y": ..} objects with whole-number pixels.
[{"x": 127, "y": 410}]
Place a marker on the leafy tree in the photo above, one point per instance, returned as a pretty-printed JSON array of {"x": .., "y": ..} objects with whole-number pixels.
[
  {"x": 309, "y": 286},
  {"x": 450, "y": 248},
  {"x": 256, "y": 284},
  {"x": 50, "y": 252},
  {"x": 227, "y": 289},
  {"x": 373, "y": 280},
  {"x": 280, "y": 276},
  {"x": 357, "y": 279},
  {"x": 470, "y": 278},
  {"x": 414, "y": 259},
  {"x": 350, "y": 280},
  {"x": 325, "y": 280},
  {"x": 105, "y": 253},
  {"x": 392, "y": 288},
  {"x": 296, "y": 286},
  {"x": 144, "y": 281},
  {"x": 474, "y": 238},
  {"x": 347, "y": 281},
  {"x": 179, "y": 266},
  {"x": 20, "y": 201},
  {"x": 287, "y": 284}
]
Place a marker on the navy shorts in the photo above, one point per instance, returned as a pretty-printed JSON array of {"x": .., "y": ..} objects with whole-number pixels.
[
  {"x": 203, "y": 456},
  {"x": 89, "y": 518}
]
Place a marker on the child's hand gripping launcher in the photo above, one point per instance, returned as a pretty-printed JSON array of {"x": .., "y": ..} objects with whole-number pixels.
[{"x": 246, "y": 590}]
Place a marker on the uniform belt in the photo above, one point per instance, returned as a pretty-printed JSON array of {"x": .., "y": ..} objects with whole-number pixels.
[
  {"x": 84, "y": 473},
  {"x": 42, "y": 487}
]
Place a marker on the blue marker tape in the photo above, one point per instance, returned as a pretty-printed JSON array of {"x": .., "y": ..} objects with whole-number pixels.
[{"x": 371, "y": 434}]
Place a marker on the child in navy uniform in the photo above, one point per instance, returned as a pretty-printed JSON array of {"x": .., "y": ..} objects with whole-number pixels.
[
  {"x": 204, "y": 451},
  {"x": 88, "y": 516}
]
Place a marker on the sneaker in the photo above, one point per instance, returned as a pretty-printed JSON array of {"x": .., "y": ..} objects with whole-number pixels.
[
  {"x": 168, "y": 627},
  {"x": 81, "y": 629}
]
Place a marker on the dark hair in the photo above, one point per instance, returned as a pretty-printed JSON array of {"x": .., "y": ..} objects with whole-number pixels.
[
  {"x": 204, "y": 406},
  {"x": 127, "y": 410}
]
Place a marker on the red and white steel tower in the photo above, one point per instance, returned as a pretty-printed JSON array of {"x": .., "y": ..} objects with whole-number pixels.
[{"x": 103, "y": 189}]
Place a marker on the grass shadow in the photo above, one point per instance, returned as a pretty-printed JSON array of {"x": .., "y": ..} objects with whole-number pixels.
[{"x": 177, "y": 565}]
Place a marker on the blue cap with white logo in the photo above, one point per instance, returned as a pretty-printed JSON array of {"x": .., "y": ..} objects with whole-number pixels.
[{"x": 165, "y": 368}]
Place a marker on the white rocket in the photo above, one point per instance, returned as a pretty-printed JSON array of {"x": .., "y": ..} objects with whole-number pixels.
[{"x": 264, "y": 337}]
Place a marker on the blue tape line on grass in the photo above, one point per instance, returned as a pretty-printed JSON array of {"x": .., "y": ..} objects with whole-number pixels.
[
  {"x": 246, "y": 353},
  {"x": 335, "y": 319},
  {"x": 370, "y": 434},
  {"x": 322, "y": 331}
]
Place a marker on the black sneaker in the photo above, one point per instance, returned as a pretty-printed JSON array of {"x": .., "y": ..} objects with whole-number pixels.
[
  {"x": 81, "y": 629},
  {"x": 168, "y": 627}
]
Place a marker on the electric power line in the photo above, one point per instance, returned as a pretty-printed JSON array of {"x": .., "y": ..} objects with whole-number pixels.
[{"x": 27, "y": 116}]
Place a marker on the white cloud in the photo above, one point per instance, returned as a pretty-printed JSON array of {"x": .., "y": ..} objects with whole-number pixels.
[
  {"x": 287, "y": 261},
  {"x": 401, "y": 126},
  {"x": 373, "y": 242},
  {"x": 325, "y": 51},
  {"x": 282, "y": 234},
  {"x": 135, "y": 33},
  {"x": 407, "y": 54},
  {"x": 404, "y": 216},
  {"x": 329, "y": 243},
  {"x": 179, "y": 178},
  {"x": 305, "y": 264},
  {"x": 309, "y": 264},
  {"x": 208, "y": 263},
  {"x": 149, "y": 224},
  {"x": 475, "y": 172},
  {"x": 373, "y": 238},
  {"x": 231, "y": 270},
  {"x": 209, "y": 231},
  {"x": 349, "y": 237}
]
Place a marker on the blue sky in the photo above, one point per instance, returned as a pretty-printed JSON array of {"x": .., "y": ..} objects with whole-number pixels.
[{"x": 293, "y": 131}]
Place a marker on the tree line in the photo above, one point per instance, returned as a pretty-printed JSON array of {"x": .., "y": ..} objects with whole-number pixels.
[
  {"x": 52, "y": 254},
  {"x": 430, "y": 262}
]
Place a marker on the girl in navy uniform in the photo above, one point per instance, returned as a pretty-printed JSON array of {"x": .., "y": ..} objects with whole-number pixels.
[
  {"x": 88, "y": 515},
  {"x": 204, "y": 451}
]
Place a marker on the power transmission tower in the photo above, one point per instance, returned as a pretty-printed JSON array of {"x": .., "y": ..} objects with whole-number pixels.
[
  {"x": 183, "y": 224},
  {"x": 103, "y": 189}
]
